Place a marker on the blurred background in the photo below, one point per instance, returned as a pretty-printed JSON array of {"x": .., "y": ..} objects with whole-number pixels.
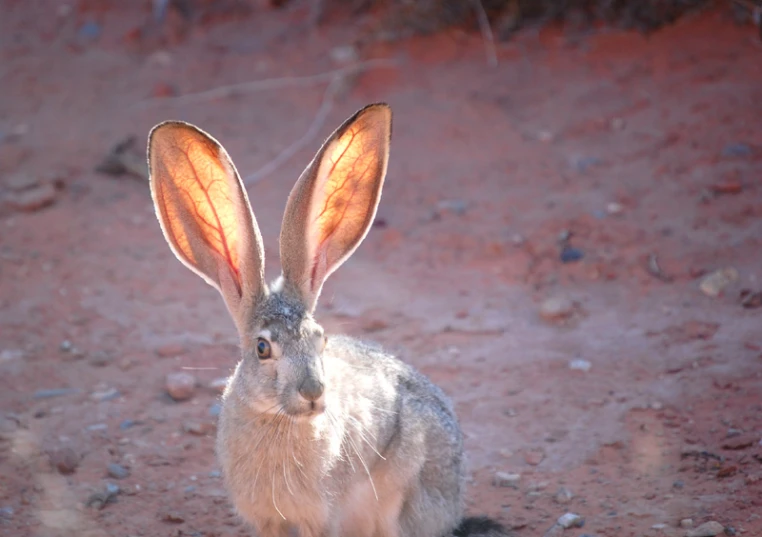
[{"x": 569, "y": 243}]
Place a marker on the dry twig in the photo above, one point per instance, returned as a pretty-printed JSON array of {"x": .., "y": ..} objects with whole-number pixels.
[
  {"x": 312, "y": 131},
  {"x": 486, "y": 30},
  {"x": 269, "y": 84}
]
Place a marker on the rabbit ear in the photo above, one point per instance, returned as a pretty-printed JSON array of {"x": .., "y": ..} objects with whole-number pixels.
[
  {"x": 332, "y": 205},
  {"x": 205, "y": 214}
]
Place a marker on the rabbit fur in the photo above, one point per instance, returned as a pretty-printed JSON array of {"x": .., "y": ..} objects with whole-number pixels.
[{"x": 319, "y": 436}]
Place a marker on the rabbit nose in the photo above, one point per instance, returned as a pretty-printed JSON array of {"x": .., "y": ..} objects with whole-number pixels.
[{"x": 311, "y": 389}]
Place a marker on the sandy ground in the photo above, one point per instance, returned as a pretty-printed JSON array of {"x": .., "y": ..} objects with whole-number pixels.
[{"x": 642, "y": 405}]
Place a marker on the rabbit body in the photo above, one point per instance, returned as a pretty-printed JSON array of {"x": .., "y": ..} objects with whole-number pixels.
[
  {"x": 318, "y": 436},
  {"x": 384, "y": 458}
]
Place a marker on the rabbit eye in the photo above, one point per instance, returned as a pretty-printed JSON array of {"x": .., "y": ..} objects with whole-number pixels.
[{"x": 263, "y": 349}]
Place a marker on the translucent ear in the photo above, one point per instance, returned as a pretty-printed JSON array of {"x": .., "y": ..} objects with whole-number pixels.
[
  {"x": 333, "y": 204},
  {"x": 205, "y": 213}
]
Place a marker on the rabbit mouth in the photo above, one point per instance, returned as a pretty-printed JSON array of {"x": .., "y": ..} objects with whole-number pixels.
[{"x": 307, "y": 409}]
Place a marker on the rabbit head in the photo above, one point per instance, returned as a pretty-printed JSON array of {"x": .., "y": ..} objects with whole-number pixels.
[{"x": 207, "y": 220}]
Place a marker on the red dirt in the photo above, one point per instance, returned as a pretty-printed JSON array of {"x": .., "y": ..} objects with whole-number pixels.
[{"x": 666, "y": 424}]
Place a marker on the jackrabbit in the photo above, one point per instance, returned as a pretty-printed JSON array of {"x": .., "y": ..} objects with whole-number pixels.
[{"x": 319, "y": 436}]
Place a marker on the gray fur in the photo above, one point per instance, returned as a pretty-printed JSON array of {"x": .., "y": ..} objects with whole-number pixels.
[{"x": 374, "y": 449}]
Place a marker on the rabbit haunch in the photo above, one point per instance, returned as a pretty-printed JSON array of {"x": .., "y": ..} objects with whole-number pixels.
[{"x": 318, "y": 436}]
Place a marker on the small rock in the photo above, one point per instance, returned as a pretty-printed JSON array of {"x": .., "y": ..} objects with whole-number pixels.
[
  {"x": 534, "y": 457},
  {"x": 556, "y": 308},
  {"x": 11, "y": 355},
  {"x": 180, "y": 386},
  {"x": 32, "y": 199},
  {"x": 737, "y": 150},
  {"x": 55, "y": 392},
  {"x": 678, "y": 484},
  {"x": 100, "y": 359},
  {"x": 219, "y": 384},
  {"x": 198, "y": 428},
  {"x": 569, "y": 254},
  {"x": 215, "y": 410},
  {"x": 570, "y": 520},
  {"x": 105, "y": 395},
  {"x": 708, "y": 529},
  {"x": 455, "y": 205},
  {"x": 686, "y": 523},
  {"x": 713, "y": 284},
  {"x": 117, "y": 471},
  {"x": 614, "y": 208},
  {"x": 65, "y": 460},
  {"x": 127, "y": 424},
  {"x": 21, "y": 181},
  {"x": 659, "y": 527},
  {"x": 580, "y": 365},
  {"x": 6, "y": 512},
  {"x": 102, "y": 498},
  {"x": 97, "y": 427},
  {"x": 503, "y": 479},
  {"x": 582, "y": 164},
  {"x": 554, "y": 531},
  {"x": 170, "y": 350},
  {"x": 66, "y": 346},
  {"x": 563, "y": 496},
  {"x": 173, "y": 517},
  {"x": 164, "y": 89},
  {"x": 215, "y": 474},
  {"x": 89, "y": 31},
  {"x": 728, "y": 186},
  {"x": 344, "y": 55}
]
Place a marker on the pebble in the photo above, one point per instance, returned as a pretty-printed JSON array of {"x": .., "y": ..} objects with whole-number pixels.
[
  {"x": 100, "y": 359},
  {"x": 55, "y": 392},
  {"x": 659, "y": 527},
  {"x": 563, "y": 496},
  {"x": 737, "y": 150},
  {"x": 11, "y": 355},
  {"x": 105, "y": 395},
  {"x": 173, "y": 516},
  {"x": 218, "y": 385},
  {"x": 117, "y": 471},
  {"x": 556, "y": 308},
  {"x": 127, "y": 424},
  {"x": 6, "y": 513},
  {"x": 198, "y": 428},
  {"x": 170, "y": 350},
  {"x": 708, "y": 529},
  {"x": 614, "y": 208},
  {"x": 569, "y": 254},
  {"x": 102, "y": 498},
  {"x": 580, "y": 365},
  {"x": 21, "y": 181},
  {"x": 66, "y": 346},
  {"x": 534, "y": 457},
  {"x": 65, "y": 460},
  {"x": 215, "y": 410},
  {"x": 33, "y": 199},
  {"x": 686, "y": 523},
  {"x": 97, "y": 427},
  {"x": 713, "y": 284},
  {"x": 455, "y": 205},
  {"x": 344, "y": 55},
  {"x": 678, "y": 484},
  {"x": 570, "y": 520},
  {"x": 89, "y": 30},
  {"x": 503, "y": 479},
  {"x": 554, "y": 531},
  {"x": 180, "y": 386},
  {"x": 215, "y": 474}
]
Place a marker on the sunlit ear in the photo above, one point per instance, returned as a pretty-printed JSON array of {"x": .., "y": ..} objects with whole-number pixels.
[
  {"x": 205, "y": 214},
  {"x": 333, "y": 204}
]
